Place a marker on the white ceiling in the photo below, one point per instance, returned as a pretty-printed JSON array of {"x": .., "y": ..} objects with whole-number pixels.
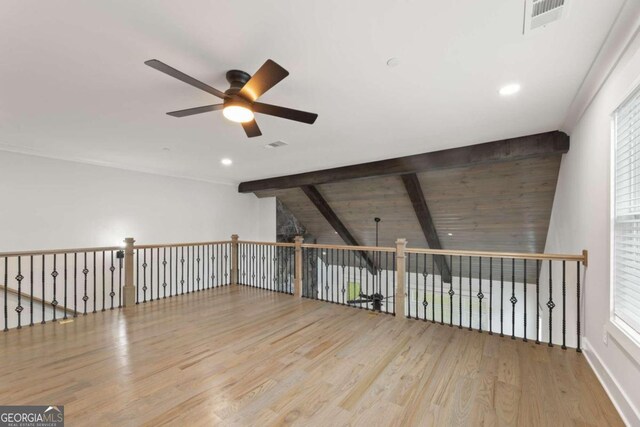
[{"x": 73, "y": 84}]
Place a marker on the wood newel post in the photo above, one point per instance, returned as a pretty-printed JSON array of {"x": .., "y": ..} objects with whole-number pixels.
[
  {"x": 129, "y": 290},
  {"x": 234, "y": 259},
  {"x": 298, "y": 266},
  {"x": 401, "y": 245}
]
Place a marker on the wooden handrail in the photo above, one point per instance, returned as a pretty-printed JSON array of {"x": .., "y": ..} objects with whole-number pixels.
[
  {"x": 350, "y": 248},
  {"x": 452, "y": 252},
  {"x": 516, "y": 255},
  {"x": 60, "y": 251},
  {"x": 177, "y": 245},
  {"x": 36, "y": 299},
  {"x": 251, "y": 242}
]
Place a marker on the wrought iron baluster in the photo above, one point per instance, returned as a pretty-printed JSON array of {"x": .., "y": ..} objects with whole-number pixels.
[
  {"x": 386, "y": 274},
  {"x": 564, "y": 306},
  {"x": 42, "y": 321},
  {"x": 513, "y": 300},
  {"x": 502, "y": 297},
  {"x": 433, "y": 288},
  {"x": 75, "y": 284},
  {"x": 95, "y": 272},
  {"x": 120, "y": 257},
  {"x": 417, "y": 282},
  {"x": 65, "y": 287},
  {"x": 54, "y": 301},
  {"x": 144, "y": 275},
  {"x": 177, "y": 270},
  {"x": 451, "y": 292},
  {"x": 425, "y": 275},
  {"x": 181, "y": 270},
  {"x": 460, "y": 296},
  {"x": 19, "y": 279},
  {"x": 112, "y": 269},
  {"x": 408, "y": 282},
  {"x": 524, "y": 275},
  {"x": 137, "y": 276},
  {"x": 198, "y": 269},
  {"x": 103, "y": 281},
  {"x": 470, "y": 295},
  {"x": 343, "y": 278},
  {"x": 31, "y": 291},
  {"x": 480, "y": 294},
  {"x": 171, "y": 272},
  {"x": 537, "y": 301},
  {"x": 188, "y": 268},
  {"x": 85, "y": 297},
  {"x": 164, "y": 273},
  {"x": 550, "y": 304},
  {"x": 226, "y": 264},
  {"x": 6, "y": 296},
  {"x": 490, "y": 295},
  {"x": 578, "y": 348},
  {"x": 441, "y": 264},
  {"x": 393, "y": 281},
  {"x": 157, "y": 273},
  {"x": 367, "y": 282}
]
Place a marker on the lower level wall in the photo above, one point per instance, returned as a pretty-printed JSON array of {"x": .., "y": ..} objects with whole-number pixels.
[{"x": 50, "y": 204}]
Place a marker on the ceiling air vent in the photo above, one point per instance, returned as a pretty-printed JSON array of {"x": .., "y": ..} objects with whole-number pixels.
[
  {"x": 276, "y": 144},
  {"x": 539, "y": 13}
]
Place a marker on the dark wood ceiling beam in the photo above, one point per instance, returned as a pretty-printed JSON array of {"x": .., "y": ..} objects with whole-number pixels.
[
  {"x": 555, "y": 142},
  {"x": 414, "y": 190},
  {"x": 321, "y": 204}
]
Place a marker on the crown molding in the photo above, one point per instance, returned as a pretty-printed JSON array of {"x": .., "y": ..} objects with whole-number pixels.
[
  {"x": 624, "y": 30},
  {"x": 112, "y": 165}
]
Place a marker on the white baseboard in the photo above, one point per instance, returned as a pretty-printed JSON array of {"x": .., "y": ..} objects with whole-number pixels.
[{"x": 630, "y": 414}]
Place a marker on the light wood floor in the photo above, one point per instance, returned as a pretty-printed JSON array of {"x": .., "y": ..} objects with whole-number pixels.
[{"x": 241, "y": 356}]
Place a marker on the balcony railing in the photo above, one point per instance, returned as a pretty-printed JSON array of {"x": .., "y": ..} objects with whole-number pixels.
[{"x": 533, "y": 297}]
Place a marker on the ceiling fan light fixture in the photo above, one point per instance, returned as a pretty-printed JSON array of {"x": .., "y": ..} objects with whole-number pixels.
[{"x": 238, "y": 113}]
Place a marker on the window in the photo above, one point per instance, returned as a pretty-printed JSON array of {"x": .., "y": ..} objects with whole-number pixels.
[{"x": 626, "y": 212}]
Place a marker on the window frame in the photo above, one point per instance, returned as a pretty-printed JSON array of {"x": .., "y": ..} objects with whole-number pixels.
[{"x": 624, "y": 334}]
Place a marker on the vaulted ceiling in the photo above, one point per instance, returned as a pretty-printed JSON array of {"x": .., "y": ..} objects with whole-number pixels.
[
  {"x": 74, "y": 84},
  {"x": 476, "y": 204}
]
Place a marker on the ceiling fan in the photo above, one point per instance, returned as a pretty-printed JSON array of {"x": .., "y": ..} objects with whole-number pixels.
[
  {"x": 239, "y": 101},
  {"x": 375, "y": 299}
]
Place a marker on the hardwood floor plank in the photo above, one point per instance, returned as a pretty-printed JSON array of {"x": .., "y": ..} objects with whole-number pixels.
[{"x": 243, "y": 356}]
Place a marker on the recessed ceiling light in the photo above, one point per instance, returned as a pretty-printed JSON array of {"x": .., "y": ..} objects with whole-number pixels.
[
  {"x": 449, "y": 234},
  {"x": 226, "y": 162},
  {"x": 393, "y": 62},
  {"x": 510, "y": 89}
]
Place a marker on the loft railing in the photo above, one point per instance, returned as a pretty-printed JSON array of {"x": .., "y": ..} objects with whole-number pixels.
[
  {"x": 269, "y": 266},
  {"x": 527, "y": 296},
  {"x": 167, "y": 270},
  {"x": 51, "y": 285},
  {"x": 360, "y": 277}
]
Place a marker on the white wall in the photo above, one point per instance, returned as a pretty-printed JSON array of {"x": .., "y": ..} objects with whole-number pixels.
[
  {"x": 581, "y": 220},
  {"x": 48, "y": 203}
]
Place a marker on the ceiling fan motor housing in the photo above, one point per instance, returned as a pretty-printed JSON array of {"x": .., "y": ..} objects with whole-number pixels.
[{"x": 237, "y": 79}]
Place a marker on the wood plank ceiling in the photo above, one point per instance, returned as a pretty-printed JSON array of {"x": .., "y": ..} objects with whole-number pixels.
[
  {"x": 502, "y": 206},
  {"x": 495, "y": 196}
]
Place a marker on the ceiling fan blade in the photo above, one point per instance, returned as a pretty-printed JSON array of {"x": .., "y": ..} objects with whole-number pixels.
[
  {"x": 251, "y": 128},
  {"x": 161, "y": 66},
  {"x": 196, "y": 110},
  {"x": 285, "y": 113},
  {"x": 264, "y": 79}
]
